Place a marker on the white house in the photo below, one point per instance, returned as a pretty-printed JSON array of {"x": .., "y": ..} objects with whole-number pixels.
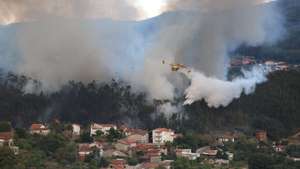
[
  {"x": 39, "y": 129},
  {"x": 187, "y": 153},
  {"x": 207, "y": 151},
  {"x": 226, "y": 137},
  {"x": 230, "y": 155},
  {"x": 6, "y": 138},
  {"x": 162, "y": 135},
  {"x": 85, "y": 149},
  {"x": 124, "y": 145},
  {"x": 104, "y": 128},
  {"x": 75, "y": 129}
]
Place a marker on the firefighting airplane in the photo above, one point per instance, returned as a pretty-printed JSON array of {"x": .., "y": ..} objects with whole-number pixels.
[{"x": 175, "y": 67}]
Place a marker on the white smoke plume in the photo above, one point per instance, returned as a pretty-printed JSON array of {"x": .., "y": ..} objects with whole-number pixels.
[
  {"x": 168, "y": 109},
  {"x": 200, "y": 34},
  {"x": 218, "y": 92},
  {"x": 57, "y": 41}
]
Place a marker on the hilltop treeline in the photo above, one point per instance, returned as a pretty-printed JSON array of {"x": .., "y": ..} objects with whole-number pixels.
[
  {"x": 74, "y": 102},
  {"x": 275, "y": 106}
]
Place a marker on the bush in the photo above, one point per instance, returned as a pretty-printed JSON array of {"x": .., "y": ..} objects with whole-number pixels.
[
  {"x": 5, "y": 127},
  {"x": 293, "y": 150}
]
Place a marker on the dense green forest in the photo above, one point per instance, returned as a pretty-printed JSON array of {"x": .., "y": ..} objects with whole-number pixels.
[{"x": 274, "y": 106}]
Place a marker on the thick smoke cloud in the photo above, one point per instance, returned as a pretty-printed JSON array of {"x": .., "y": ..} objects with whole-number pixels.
[
  {"x": 57, "y": 41},
  {"x": 218, "y": 92},
  {"x": 200, "y": 34},
  {"x": 30, "y": 10}
]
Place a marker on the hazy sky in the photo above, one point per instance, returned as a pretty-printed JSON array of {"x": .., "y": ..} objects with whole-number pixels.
[{"x": 12, "y": 11}]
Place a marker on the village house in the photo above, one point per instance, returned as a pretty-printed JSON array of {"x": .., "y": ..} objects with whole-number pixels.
[
  {"x": 225, "y": 137},
  {"x": 221, "y": 162},
  {"x": 153, "y": 155},
  {"x": 261, "y": 136},
  {"x": 207, "y": 151},
  {"x": 145, "y": 147},
  {"x": 149, "y": 165},
  {"x": 125, "y": 129},
  {"x": 149, "y": 146},
  {"x": 230, "y": 155},
  {"x": 109, "y": 153},
  {"x": 162, "y": 135},
  {"x": 85, "y": 149},
  {"x": 153, "y": 165},
  {"x": 279, "y": 148},
  {"x": 295, "y": 139},
  {"x": 6, "y": 138},
  {"x": 202, "y": 149},
  {"x": 277, "y": 66},
  {"x": 125, "y": 145},
  {"x": 294, "y": 159},
  {"x": 166, "y": 164},
  {"x": 75, "y": 129},
  {"x": 39, "y": 129},
  {"x": 210, "y": 153},
  {"x": 104, "y": 128},
  {"x": 139, "y": 136},
  {"x": 151, "y": 152},
  {"x": 187, "y": 153},
  {"x": 118, "y": 164}
]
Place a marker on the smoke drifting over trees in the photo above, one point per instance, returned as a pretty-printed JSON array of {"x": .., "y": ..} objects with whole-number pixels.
[{"x": 57, "y": 42}]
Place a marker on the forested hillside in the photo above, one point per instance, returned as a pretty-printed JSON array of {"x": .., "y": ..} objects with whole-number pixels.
[{"x": 274, "y": 106}]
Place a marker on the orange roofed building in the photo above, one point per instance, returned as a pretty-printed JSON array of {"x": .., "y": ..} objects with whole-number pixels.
[
  {"x": 162, "y": 135},
  {"x": 85, "y": 149},
  {"x": 104, "y": 128},
  {"x": 150, "y": 165},
  {"x": 261, "y": 135},
  {"x": 125, "y": 144},
  {"x": 6, "y": 138},
  {"x": 118, "y": 164},
  {"x": 39, "y": 129}
]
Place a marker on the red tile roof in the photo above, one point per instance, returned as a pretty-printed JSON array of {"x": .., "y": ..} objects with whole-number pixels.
[
  {"x": 210, "y": 152},
  {"x": 153, "y": 152},
  {"x": 100, "y": 126},
  {"x": 159, "y": 130},
  {"x": 38, "y": 127},
  {"x": 150, "y": 165},
  {"x": 6, "y": 136},
  {"x": 138, "y": 131},
  {"x": 84, "y": 148},
  {"x": 118, "y": 164},
  {"x": 145, "y": 147},
  {"x": 126, "y": 141}
]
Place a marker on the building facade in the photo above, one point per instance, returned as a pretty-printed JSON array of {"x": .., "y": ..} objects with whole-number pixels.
[
  {"x": 162, "y": 135},
  {"x": 104, "y": 128}
]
